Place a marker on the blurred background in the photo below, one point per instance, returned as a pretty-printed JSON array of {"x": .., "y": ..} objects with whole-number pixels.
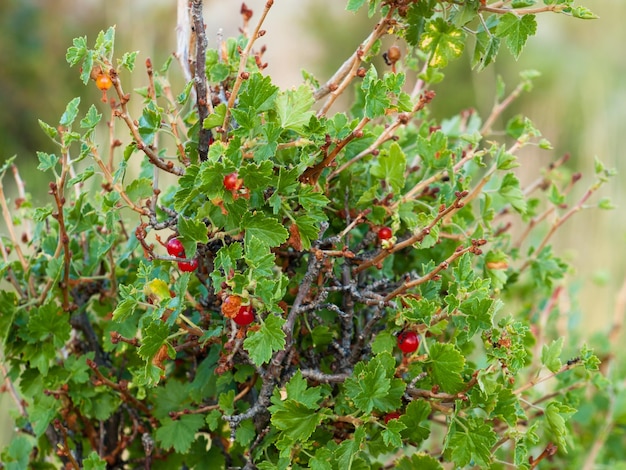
[{"x": 578, "y": 103}]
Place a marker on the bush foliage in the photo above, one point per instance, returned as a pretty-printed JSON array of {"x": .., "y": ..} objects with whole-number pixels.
[{"x": 309, "y": 242}]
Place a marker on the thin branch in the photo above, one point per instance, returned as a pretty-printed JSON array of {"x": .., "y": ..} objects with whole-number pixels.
[
  {"x": 536, "y": 381},
  {"x": 243, "y": 60}
]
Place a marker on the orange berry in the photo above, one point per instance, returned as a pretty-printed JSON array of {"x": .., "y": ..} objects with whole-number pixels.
[{"x": 103, "y": 82}]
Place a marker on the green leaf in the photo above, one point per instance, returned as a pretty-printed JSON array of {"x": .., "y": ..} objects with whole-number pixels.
[
  {"x": 128, "y": 60},
  {"x": 294, "y": 108},
  {"x": 299, "y": 391},
  {"x": 446, "y": 364},
  {"x": 259, "y": 258},
  {"x": 270, "y": 337},
  {"x": 355, "y": 5},
  {"x": 557, "y": 414},
  {"x": 149, "y": 122},
  {"x": 485, "y": 51},
  {"x": 391, "y": 167},
  {"x": 192, "y": 230},
  {"x": 442, "y": 41},
  {"x": 512, "y": 193},
  {"x": 48, "y": 129},
  {"x": 295, "y": 419},
  {"x": 546, "y": 268},
  {"x": 91, "y": 119},
  {"x": 139, "y": 188},
  {"x": 350, "y": 448},
  {"x": 48, "y": 322},
  {"x": 583, "y": 13},
  {"x": 8, "y": 307},
  {"x": 472, "y": 442},
  {"x": 419, "y": 461},
  {"x": 71, "y": 111},
  {"x": 376, "y": 99},
  {"x": 179, "y": 434},
  {"x": 391, "y": 435},
  {"x": 217, "y": 118},
  {"x": 93, "y": 462},
  {"x": 154, "y": 336},
  {"x": 516, "y": 30},
  {"x": 551, "y": 355},
  {"x": 265, "y": 228},
  {"x": 416, "y": 413},
  {"x": 373, "y": 386},
  {"x": 258, "y": 94},
  {"x": 17, "y": 455},
  {"x": 77, "y": 51},
  {"x": 42, "y": 412},
  {"x": 46, "y": 161}
]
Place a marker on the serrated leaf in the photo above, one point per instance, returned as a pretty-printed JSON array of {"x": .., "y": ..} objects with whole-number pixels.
[
  {"x": 294, "y": 108},
  {"x": 442, "y": 41},
  {"x": 17, "y": 455},
  {"x": 259, "y": 93},
  {"x": 416, "y": 413},
  {"x": 446, "y": 364},
  {"x": 355, "y": 5},
  {"x": 270, "y": 337},
  {"x": 91, "y": 119},
  {"x": 259, "y": 258},
  {"x": 93, "y": 462},
  {"x": 372, "y": 385},
  {"x": 77, "y": 51},
  {"x": 557, "y": 414},
  {"x": 139, "y": 188},
  {"x": 391, "y": 167},
  {"x": 512, "y": 193},
  {"x": 472, "y": 442},
  {"x": 295, "y": 419},
  {"x": 71, "y": 111},
  {"x": 149, "y": 122},
  {"x": 419, "y": 461},
  {"x": 154, "y": 336},
  {"x": 128, "y": 60},
  {"x": 265, "y": 228},
  {"x": 179, "y": 434},
  {"x": 299, "y": 391},
  {"x": 46, "y": 161},
  {"x": 551, "y": 355},
  {"x": 516, "y": 30},
  {"x": 41, "y": 413}
]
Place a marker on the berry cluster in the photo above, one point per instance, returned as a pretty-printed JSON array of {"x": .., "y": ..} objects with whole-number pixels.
[{"x": 175, "y": 248}]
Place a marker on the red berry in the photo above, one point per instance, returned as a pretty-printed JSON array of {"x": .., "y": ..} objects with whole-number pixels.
[
  {"x": 175, "y": 248},
  {"x": 408, "y": 342},
  {"x": 245, "y": 315},
  {"x": 385, "y": 233},
  {"x": 392, "y": 415},
  {"x": 188, "y": 266},
  {"x": 232, "y": 182}
]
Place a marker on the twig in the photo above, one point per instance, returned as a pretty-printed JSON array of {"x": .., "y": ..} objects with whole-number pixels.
[
  {"x": 312, "y": 174},
  {"x": 417, "y": 237},
  {"x": 536, "y": 381},
  {"x": 388, "y": 133},
  {"x": 346, "y": 73},
  {"x": 243, "y": 59},
  {"x": 460, "y": 251}
]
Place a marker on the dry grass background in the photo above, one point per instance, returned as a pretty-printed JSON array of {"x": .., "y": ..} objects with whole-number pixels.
[{"x": 579, "y": 103}]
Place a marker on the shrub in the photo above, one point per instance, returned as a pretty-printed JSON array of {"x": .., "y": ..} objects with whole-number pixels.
[{"x": 319, "y": 289}]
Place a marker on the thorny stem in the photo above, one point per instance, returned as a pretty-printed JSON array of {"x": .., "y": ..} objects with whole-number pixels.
[
  {"x": 522, "y": 11},
  {"x": 498, "y": 108},
  {"x": 243, "y": 61}
]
